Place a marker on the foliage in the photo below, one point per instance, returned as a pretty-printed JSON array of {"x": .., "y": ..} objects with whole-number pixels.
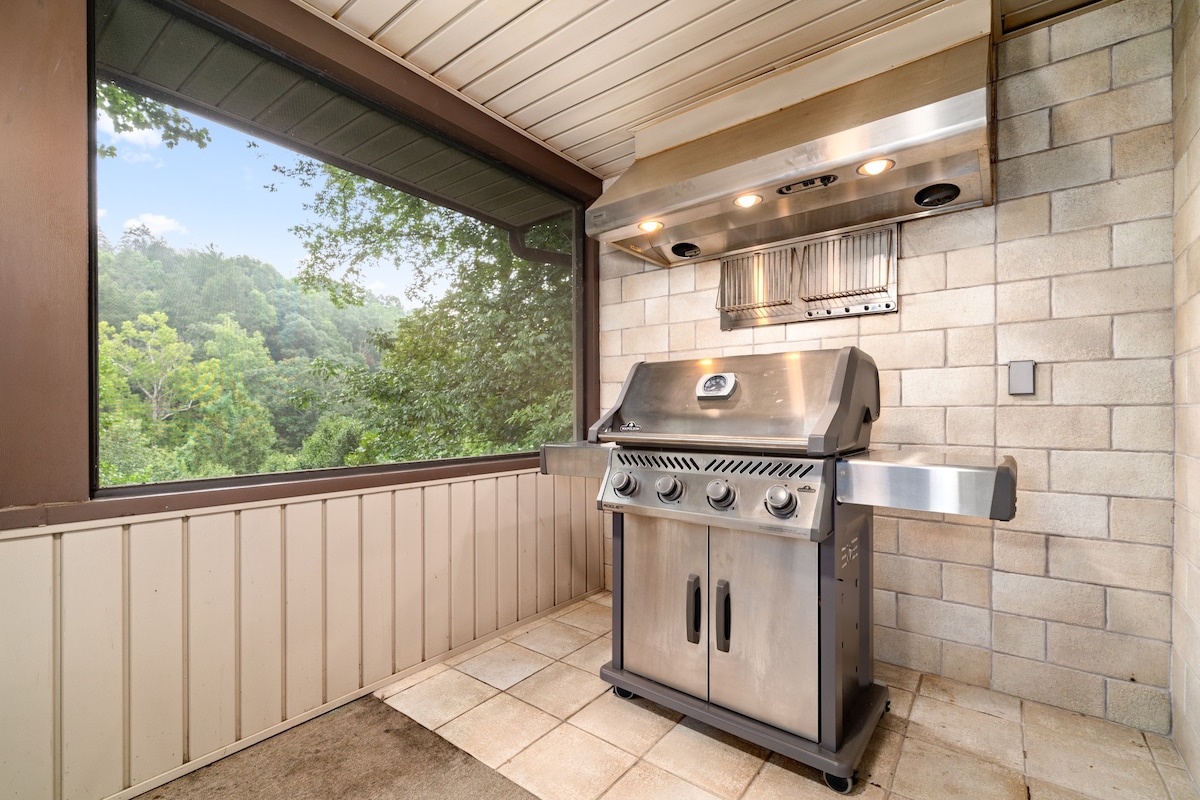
[{"x": 133, "y": 112}]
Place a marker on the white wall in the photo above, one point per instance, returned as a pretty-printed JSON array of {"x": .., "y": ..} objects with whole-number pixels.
[{"x": 132, "y": 651}]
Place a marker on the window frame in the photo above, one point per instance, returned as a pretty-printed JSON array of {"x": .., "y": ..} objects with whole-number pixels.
[{"x": 42, "y": 430}]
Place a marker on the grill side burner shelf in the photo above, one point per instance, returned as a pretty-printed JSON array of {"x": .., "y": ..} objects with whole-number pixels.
[{"x": 743, "y": 499}]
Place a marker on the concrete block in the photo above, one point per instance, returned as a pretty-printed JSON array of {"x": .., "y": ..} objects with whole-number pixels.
[
  {"x": 1114, "y": 291},
  {"x": 1144, "y": 707},
  {"x": 1112, "y": 473},
  {"x": 1023, "y": 217},
  {"x": 1080, "y": 516},
  {"x": 1055, "y": 340},
  {"x": 1050, "y": 684},
  {"x": 1049, "y": 170},
  {"x": 1115, "y": 655},
  {"x": 972, "y": 266},
  {"x": 937, "y": 310},
  {"x": 616, "y": 263},
  {"x": 614, "y": 369},
  {"x": 1145, "y": 241},
  {"x": 940, "y": 541},
  {"x": 1061, "y": 254},
  {"x": 884, "y": 608},
  {"x": 1142, "y": 59},
  {"x": 886, "y": 533},
  {"x": 971, "y": 426},
  {"x": 907, "y": 649},
  {"x": 1019, "y": 636},
  {"x": 693, "y": 306},
  {"x": 956, "y": 386},
  {"x": 622, "y": 315},
  {"x": 1142, "y": 382},
  {"x": 1118, "y": 111},
  {"x": 1139, "y": 613},
  {"x": 682, "y": 336},
  {"x": 645, "y": 284},
  {"x": 1144, "y": 428},
  {"x": 710, "y": 337},
  {"x": 1023, "y": 301},
  {"x": 1048, "y": 599},
  {"x": 1107, "y": 26},
  {"x": 968, "y": 585},
  {"x": 610, "y": 291},
  {"x": 1025, "y": 52},
  {"x": 1133, "y": 519},
  {"x": 1123, "y": 200},
  {"x": 908, "y": 575},
  {"x": 658, "y": 310},
  {"x": 1053, "y": 84},
  {"x": 967, "y": 664},
  {"x": 1060, "y": 427},
  {"x": 1130, "y": 566},
  {"x": 906, "y": 350},
  {"x": 707, "y": 274},
  {"x": 1147, "y": 335},
  {"x": 973, "y": 346},
  {"x": 921, "y": 274},
  {"x": 947, "y": 232},
  {"x": 645, "y": 339},
  {"x": 1014, "y": 551},
  {"x": 682, "y": 279},
  {"x": 1033, "y": 474},
  {"x": 1142, "y": 151},
  {"x": 1023, "y": 134},
  {"x": 941, "y": 620}
]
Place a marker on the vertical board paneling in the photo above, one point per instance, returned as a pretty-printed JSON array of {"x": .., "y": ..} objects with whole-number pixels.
[
  {"x": 485, "y": 556},
  {"x": 462, "y": 563},
  {"x": 437, "y": 570},
  {"x": 527, "y": 545},
  {"x": 595, "y": 536},
  {"x": 545, "y": 542},
  {"x": 211, "y": 632},
  {"x": 304, "y": 609},
  {"x": 506, "y": 550},
  {"x": 579, "y": 542},
  {"x": 342, "y": 598},
  {"x": 27, "y": 667},
  {"x": 156, "y": 648},
  {"x": 377, "y": 600},
  {"x": 93, "y": 658},
  {"x": 562, "y": 538},
  {"x": 410, "y": 578},
  {"x": 261, "y": 623}
]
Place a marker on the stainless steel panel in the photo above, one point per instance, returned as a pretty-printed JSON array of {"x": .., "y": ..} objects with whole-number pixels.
[
  {"x": 578, "y": 459},
  {"x": 660, "y": 557},
  {"x": 771, "y": 671},
  {"x": 895, "y": 479}
]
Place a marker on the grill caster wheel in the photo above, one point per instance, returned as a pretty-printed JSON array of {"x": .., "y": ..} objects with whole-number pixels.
[
  {"x": 838, "y": 784},
  {"x": 624, "y": 694}
]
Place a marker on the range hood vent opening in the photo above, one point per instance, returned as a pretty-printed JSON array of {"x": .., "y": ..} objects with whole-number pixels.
[
  {"x": 928, "y": 122},
  {"x": 808, "y": 279}
]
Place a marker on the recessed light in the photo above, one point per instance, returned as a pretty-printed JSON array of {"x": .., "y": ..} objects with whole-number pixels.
[
  {"x": 876, "y": 166},
  {"x": 747, "y": 200},
  {"x": 650, "y": 226}
]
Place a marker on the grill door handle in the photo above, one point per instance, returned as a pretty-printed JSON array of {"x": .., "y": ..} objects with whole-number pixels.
[
  {"x": 722, "y": 611},
  {"x": 692, "y": 604}
]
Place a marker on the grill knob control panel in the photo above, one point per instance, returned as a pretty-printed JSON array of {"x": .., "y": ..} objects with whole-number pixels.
[
  {"x": 669, "y": 488},
  {"x": 780, "y": 501},
  {"x": 623, "y": 483},
  {"x": 720, "y": 494}
]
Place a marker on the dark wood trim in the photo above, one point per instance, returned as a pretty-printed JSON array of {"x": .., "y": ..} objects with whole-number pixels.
[
  {"x": 301, "y": 35},
  {"x": 254, "y": 489}
]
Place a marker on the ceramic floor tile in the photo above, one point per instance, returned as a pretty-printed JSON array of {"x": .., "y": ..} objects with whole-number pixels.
[
  {"x": 567, "y": 609},
  {"x": 559, "y": 689},
  {"x": 929, "y": 772},
  {"x": 878, "y": 764},
  {"x": 443, "y": 697},
  {"x": 521, "y": 630},
  {"x": 648, "y": 782},
  {"x": 498, "y": 729},
  {"x": 1163, "y": 750},
  {"x": 603, "y": 599},
  {"x": 555, "y": 639},
  {"x": 412, "y": 680},
  {"x": 632, "y": 725},
  {"x": 504, "y": 665},
  {"x": 899, "y": 677},
  {"x": 709, "y": 758},
  {"x": 1041, "y": 790},
  {"x": 568, "y": 764},
  {"x": 454, "y": 661},
  {"x": 784, "y": 779},
  {"x": 1179, "y": 783},
  {"x": 959, "y": 728},
  {"x": 1101, "y": 733},
  {"x": 591, "y": 657},
  {"x": 591, "y": 617},
  {"x": 1091, "y": 766},
  {"x": 974, "y": 697}
]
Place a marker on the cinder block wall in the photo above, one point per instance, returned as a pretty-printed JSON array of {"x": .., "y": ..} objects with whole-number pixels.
[
  {"x": 1070, "y": 604},
  {"x": 1185, "y": 667}
]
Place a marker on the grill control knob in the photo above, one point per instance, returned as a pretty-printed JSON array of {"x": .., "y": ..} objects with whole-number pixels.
[
  {"x": 780, "y": 501},
  {"x": 623, "y": 483},
  {"x": 668, "y": 487},
  {"x": 720, "y": 494}
]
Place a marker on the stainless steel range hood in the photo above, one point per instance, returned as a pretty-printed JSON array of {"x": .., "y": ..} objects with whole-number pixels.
[{"x": 930, "y": 117}]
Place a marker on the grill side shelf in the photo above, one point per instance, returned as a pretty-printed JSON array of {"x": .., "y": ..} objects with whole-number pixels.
[{"x": 880, "y": 479}]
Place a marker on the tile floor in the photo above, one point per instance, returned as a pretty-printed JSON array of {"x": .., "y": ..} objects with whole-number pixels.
[{"x": 530, "y": 705}]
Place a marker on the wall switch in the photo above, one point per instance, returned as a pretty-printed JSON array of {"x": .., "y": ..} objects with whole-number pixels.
[{"x": 1020, "y": 377}]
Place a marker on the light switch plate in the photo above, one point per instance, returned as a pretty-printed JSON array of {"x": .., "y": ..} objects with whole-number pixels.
[{"x": 1020, "y": 377}]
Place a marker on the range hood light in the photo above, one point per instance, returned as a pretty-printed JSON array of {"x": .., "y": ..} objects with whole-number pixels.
[
  {"x": 650, "y": 226},
  {"x": 747, "y": 200},
  {"x": 876, "y": 166}
]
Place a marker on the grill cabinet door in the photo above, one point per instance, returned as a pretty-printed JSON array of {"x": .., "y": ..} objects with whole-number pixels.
[
  {"x": 764, "y": 626},
  {"x": 665, "y": 598}
]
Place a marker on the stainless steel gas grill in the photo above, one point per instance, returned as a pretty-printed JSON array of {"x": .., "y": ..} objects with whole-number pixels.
[{"x": 742, "y": 494}]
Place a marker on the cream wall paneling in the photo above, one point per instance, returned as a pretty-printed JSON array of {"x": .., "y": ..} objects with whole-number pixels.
[{"x": 137, "y": 651}]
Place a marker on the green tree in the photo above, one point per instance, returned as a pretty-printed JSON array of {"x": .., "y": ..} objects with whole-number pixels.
[{"x": 133, "y": 112}]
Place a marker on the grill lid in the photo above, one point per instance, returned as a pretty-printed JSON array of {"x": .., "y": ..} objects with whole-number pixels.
[{"x": 811, "y": 402}]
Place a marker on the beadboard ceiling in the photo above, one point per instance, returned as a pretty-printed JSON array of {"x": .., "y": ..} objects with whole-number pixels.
[{"x": 580, "y": 75}]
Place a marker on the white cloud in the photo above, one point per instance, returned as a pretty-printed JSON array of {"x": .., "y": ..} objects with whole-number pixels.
[
  {"x": 157, "y": 223},
  {"x": 144, "y": 139},
  {"x": 101, "y": 213}
]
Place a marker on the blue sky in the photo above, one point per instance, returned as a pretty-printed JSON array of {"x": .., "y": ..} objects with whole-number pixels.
[{"x": 192, "y": 197}]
